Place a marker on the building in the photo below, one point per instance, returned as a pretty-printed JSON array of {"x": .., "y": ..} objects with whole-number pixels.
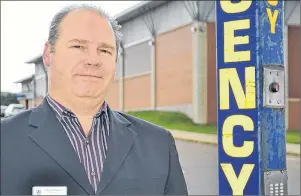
[
  {"x": 26, "y": 96},
  {"x": 40, "y": 78},
  {"x": 168, "y": 60}
]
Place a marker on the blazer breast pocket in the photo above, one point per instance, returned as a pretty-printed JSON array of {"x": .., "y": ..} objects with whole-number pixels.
[{"x": 142, "y": 186}]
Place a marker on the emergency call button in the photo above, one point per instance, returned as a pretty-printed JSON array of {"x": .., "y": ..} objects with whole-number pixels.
[{"x": 274, "y": 87}]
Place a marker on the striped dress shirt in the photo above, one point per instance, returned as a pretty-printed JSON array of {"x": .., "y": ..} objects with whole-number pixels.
[{"x": 91, "y": 149}]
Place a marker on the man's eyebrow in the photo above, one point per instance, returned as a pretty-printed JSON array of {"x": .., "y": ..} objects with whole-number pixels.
[
  {"x": 100, "y": 45},
  {"x": 105, "y": 45},
  {"x": 81, "y": 41}
]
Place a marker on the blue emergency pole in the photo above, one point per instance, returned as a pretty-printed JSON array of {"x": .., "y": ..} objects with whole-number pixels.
[{"x": 251, "y": 97}]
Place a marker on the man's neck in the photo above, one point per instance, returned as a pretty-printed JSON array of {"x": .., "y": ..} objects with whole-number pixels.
[{"x": 80, "y": 106}]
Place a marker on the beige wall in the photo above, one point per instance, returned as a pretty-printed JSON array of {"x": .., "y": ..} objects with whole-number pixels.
[
  {"x": 174, "y": 67},
  {"x": 113, "y": 95},
  {"x": 30, "y": 103},
  {"x": 137, "y": 92},
  {"x": 22, "y": 101}
]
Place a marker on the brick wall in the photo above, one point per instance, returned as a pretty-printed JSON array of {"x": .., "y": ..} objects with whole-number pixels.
[
  {"x": 174, "y": 67},
  {"x": 211, "y": 71},
  {"x": 137, "y": 93},
  {"x": 113, "y": 95},
  {"x": 294, "y": 114}
]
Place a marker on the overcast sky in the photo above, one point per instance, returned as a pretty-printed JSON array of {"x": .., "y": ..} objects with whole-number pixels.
[{"x": 24, "y": 30}]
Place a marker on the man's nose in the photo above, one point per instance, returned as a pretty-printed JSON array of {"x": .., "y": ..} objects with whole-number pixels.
[
  {"x": 93, "y": 63},
  {"x": 93, "y": 59}
]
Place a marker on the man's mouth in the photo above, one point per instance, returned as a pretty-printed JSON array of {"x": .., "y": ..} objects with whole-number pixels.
[{"x": 87, "y": 75}]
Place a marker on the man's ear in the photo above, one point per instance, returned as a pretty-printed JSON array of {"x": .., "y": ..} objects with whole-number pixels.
[{"x": 46, "y": 54}]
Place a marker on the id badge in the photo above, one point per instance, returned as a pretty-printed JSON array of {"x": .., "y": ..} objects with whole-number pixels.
[{"x": 49, "y": 190}]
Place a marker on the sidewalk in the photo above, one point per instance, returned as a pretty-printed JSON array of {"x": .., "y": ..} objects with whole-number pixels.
[{"x": 293, "y": 149}]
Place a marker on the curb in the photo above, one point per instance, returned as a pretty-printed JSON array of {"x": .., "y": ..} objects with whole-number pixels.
[{"x": 211, "y": 139}]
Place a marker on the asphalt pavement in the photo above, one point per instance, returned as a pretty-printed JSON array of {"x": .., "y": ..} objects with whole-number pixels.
[{"x": 199, "y": 163}]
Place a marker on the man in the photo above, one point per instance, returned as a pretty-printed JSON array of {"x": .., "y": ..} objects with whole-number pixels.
[{"x": 73, "y": 139}]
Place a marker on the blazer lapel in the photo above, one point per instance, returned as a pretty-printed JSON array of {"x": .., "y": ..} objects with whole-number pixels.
[
  {"x": 120, "y": 142},
  {"x": 51, "y": 137}
]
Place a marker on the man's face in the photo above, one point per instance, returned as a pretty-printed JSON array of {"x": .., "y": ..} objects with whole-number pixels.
[{"x": 83, "y": 62}]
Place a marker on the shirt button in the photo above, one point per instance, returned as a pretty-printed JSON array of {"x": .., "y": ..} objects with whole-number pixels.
[
  {"x": 87, "y": 142},
  {"x": 93, "y": 173}
]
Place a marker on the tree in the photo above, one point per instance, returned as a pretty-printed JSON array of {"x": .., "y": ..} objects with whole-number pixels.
[{"x": 8, "y": 98}]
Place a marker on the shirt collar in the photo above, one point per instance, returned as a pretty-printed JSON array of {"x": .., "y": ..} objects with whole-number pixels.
[{"x": 61, "y": 110}]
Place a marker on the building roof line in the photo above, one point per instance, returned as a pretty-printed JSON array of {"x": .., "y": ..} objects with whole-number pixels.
[
  {"x": 35, "y": 59},
  {"x": 135, "y": 10},
  {"x": 28, "y": 78}
]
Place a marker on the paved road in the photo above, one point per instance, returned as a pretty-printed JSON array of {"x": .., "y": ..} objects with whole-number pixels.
[{"x": 201, "y": 173}]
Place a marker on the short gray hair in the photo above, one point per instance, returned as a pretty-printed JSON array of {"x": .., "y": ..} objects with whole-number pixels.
[{"x": 57, "y": 19}]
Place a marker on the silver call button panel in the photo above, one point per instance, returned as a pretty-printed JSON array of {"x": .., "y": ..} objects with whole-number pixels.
[
  {"x": 273, "y": 86},
  {"x": 275, "y": 182}
]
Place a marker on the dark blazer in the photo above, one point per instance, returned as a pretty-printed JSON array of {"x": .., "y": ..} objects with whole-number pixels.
[{"x": 35, "y": 151}]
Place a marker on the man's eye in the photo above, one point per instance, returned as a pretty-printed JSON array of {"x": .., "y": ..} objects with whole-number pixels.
[
  {"x": 105, "y": 51},
  {"x": 77, "y": 46}
]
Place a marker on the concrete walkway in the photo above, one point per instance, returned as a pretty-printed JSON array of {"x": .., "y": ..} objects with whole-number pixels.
[{"x": 293, "y": 149}]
